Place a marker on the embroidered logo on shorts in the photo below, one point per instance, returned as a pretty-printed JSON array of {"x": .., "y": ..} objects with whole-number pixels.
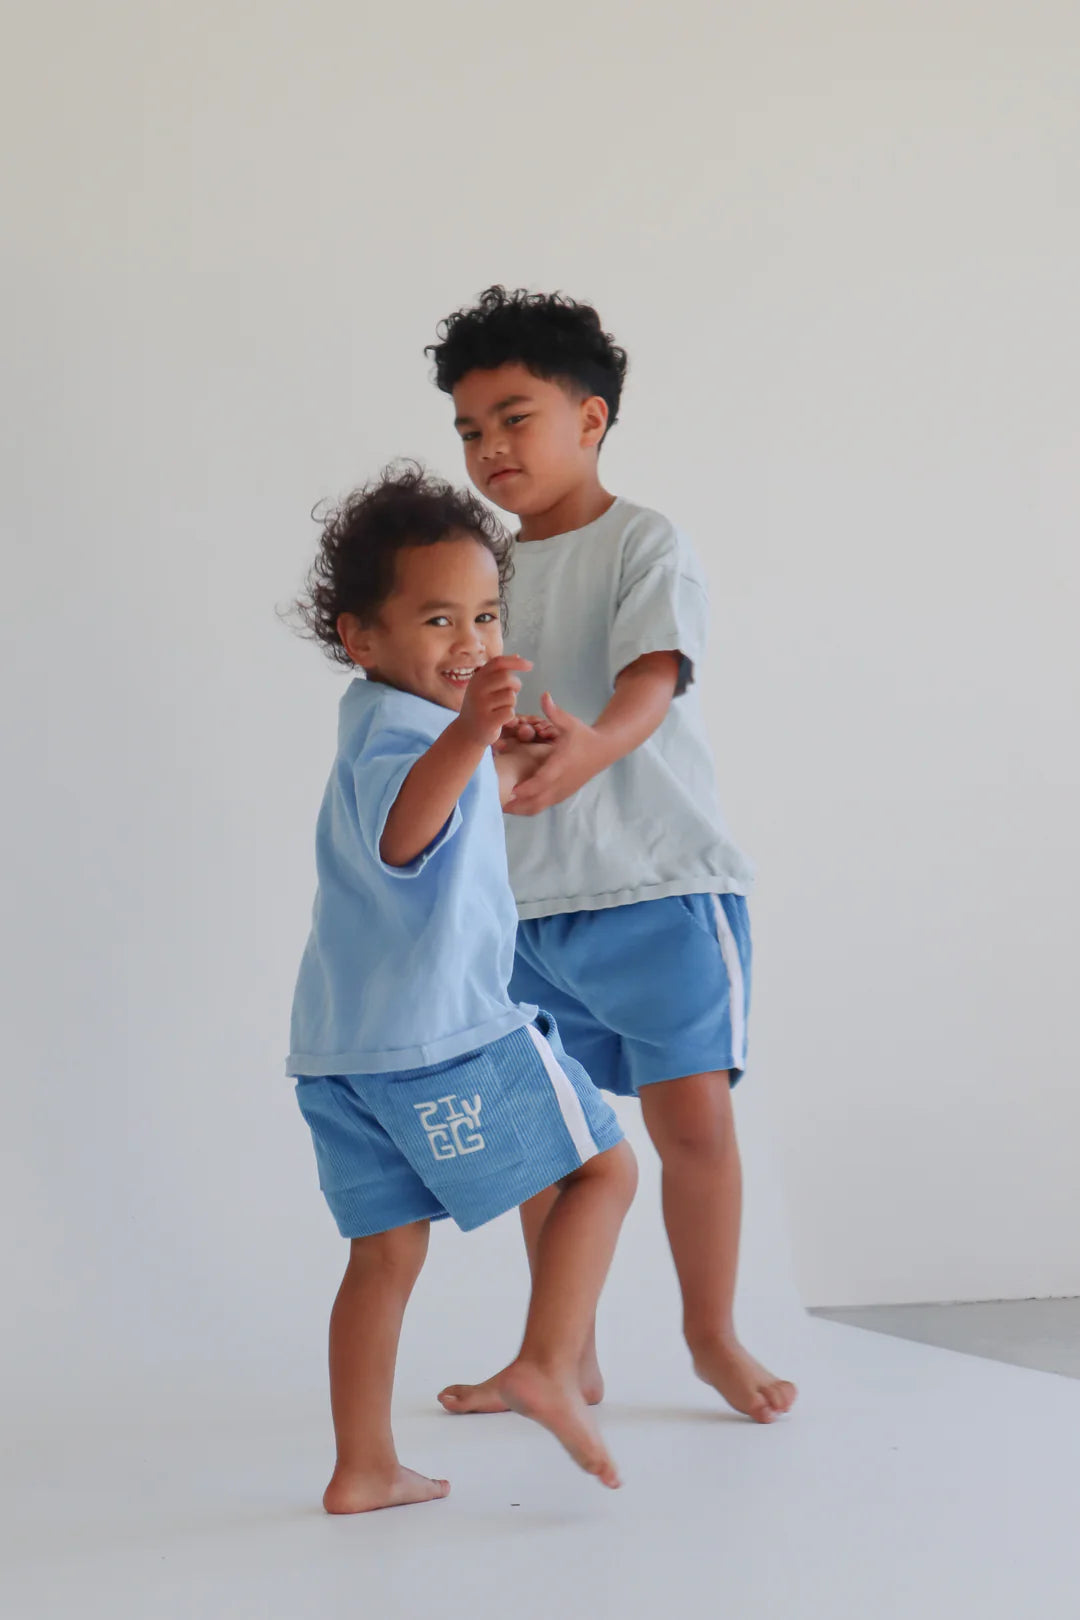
[{"x": 454, "y": 1132}]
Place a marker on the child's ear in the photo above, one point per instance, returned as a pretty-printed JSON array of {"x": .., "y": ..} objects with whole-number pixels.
[
  {"x": 594, "y": 420},
  {"x": 356, "y": 638}
]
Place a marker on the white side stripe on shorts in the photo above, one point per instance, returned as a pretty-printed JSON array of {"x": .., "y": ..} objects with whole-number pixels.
[
  {"x": 567, "y": 1098},
  {"x": 729, "y": 950}
]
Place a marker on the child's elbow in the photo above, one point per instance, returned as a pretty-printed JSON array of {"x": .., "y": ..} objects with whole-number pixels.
[{"x": 392, "y": 851}]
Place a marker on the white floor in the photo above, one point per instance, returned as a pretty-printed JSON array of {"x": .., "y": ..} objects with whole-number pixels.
[{"x": 913, "y": 1482}]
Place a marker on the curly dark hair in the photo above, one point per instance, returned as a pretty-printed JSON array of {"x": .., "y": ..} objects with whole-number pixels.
[
  {"x": 361, "y": 537},
  {"x": 553, "y": 336}
]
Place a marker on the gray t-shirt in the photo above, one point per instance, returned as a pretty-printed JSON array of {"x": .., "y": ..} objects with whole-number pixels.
[{"x": 583, "y": 606}]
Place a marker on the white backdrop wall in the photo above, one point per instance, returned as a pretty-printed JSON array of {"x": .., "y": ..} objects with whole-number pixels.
[{"x": 842, "y": 245}]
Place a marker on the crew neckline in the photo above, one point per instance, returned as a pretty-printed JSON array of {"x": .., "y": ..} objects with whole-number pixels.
[{"x": 570, "y": 534}]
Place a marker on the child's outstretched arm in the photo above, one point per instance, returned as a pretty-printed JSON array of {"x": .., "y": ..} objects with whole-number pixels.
[
  {"x": 439, "y": 777},
  {"x": 643, "y": 694}
]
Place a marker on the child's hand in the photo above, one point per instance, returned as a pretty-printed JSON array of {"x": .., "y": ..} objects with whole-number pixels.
[
  {"x": 578, "y": 754},
  {"x": 526, "y": 728},
  {"x": 515, "y": 762},
  {"x": 490, "y": 697}
]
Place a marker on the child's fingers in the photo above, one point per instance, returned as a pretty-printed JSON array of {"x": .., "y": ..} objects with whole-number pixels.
[
  {"x": 500, "y": 708},
  {"x": 558, "y": 717},
  {"x": 539, "y": 783},
  {"x": 530, "y": 807},
  {"x": 495, "y": 675},
  {"x": 505, "y": 661},
  {"x": 504, "y": 692},
  {"x": 535, "y": 728}
]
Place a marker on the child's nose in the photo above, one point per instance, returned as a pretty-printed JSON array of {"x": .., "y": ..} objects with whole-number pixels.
[{"x": 470, "y": 640}]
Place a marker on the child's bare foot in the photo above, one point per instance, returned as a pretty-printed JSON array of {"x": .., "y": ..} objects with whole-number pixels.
[
  {"x": 352, "y": 1492},
  {"x": 561, "y": 1410},
  {"x": 743, "y": 1382},
  {"x": 462, "y": 1399}
]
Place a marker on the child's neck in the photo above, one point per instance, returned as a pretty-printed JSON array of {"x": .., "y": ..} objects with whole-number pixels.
[{"x": 580, "y": 505}]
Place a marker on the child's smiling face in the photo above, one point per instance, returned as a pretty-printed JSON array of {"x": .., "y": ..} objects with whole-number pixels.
[
  {"x": 439, "y": 624},
  {"x": 528, "y": 441}
]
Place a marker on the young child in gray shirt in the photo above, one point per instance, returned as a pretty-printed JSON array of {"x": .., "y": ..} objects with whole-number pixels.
[{"x": 634, "y": 929}]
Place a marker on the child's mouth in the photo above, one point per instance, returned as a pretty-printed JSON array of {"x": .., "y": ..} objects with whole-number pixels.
[{"x": 458, "y": 677}]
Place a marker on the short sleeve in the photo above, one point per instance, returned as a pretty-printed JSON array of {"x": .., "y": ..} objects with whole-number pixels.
[
  {"x": 661, "y": 605},
  {"x": 378, "y": 775}
]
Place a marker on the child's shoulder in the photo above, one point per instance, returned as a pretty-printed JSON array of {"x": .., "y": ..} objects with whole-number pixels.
[
  {"x": 370, "y": 711},
  {"x": 647, "y": 539},
  {"x": 634, "y": 519}
]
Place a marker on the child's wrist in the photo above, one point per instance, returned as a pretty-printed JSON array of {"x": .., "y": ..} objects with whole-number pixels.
[
  {"x": 604, "y": 746},
  {"x": 466, "y": 738}
]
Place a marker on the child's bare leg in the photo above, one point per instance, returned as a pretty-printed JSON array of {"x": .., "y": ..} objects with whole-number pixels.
[
  {"x": 365, "y": 1325},
  {"x": 574, "y": 1251},
  {"x": 693, "y": 1129},
  {"x": 466, "y": 1398}
]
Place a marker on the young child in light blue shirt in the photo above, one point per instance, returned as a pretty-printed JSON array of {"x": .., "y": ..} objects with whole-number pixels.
[
  {"x": 446, "y": 924},
  {"x": 428, "y": 1091}
]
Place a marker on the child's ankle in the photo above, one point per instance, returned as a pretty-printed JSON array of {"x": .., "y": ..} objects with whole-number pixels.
[
  {"x": 704, "y": 1337},
  {"x": 557, "y": 1368},
  {"x": 366, "y": 1465}
]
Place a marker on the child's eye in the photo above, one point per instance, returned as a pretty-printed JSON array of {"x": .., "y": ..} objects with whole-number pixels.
[
  {"x": 512, "y": 421},
  {"x": 485, "y": 618},
  {"x": 467, "y": 438},
  {"x": 440, "y": 620}
]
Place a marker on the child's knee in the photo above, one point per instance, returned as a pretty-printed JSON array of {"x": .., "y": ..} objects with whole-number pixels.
[
  {"x": 616, "y": 1168},
  {"x": 397, "y": 1255},
  {"x": 689, "y": 1120}
]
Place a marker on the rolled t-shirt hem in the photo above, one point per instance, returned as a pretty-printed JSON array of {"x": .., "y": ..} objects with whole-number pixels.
[
  {"x": 410, "y": 1057},
  {"x": 703, "y": 883}
]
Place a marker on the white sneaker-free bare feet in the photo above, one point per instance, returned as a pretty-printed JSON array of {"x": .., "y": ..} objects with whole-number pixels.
[
  {"x": 560, "y": 1409},
  {"x": 463, "y": 1399},
  {"x": 743, "y": 1382},
  {"x": 354, "y": 1492}
]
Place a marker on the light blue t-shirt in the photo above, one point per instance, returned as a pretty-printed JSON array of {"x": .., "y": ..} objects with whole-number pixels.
[{"x": 405, "y": 966}]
